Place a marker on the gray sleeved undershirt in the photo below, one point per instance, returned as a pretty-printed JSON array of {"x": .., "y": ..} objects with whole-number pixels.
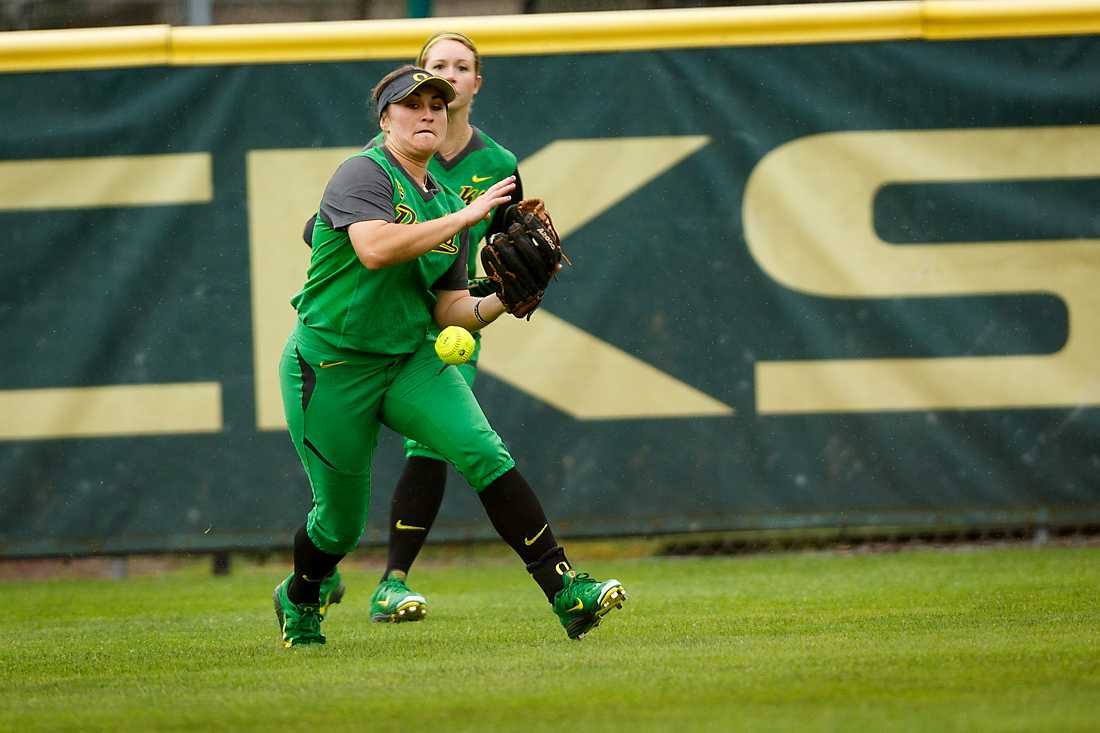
[{"x": 359, "y": 190}]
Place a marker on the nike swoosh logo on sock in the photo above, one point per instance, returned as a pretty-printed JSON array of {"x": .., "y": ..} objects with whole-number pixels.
[{"x": 538, "y": 534}]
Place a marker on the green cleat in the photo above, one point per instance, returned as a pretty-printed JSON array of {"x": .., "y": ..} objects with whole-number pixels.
[
  {"x": 300, "y": 623},
  {"x": 332, "y": 591},
  {"x": 394, "y": 602},
  {"x": 583, "y": 602}
]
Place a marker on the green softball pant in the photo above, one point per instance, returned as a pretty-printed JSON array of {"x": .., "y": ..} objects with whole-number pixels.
[
  {"x": 469, "y": 373},
  {"x": 335, "y": 403}
]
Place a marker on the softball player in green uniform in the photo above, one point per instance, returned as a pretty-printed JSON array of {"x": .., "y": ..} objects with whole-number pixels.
[
  {"x": 388, "y": 268},
  {"x": 468, "y": 162}
]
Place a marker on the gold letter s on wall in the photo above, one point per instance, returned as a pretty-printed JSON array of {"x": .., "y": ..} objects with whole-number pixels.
[{"x": 808, "y": 223}]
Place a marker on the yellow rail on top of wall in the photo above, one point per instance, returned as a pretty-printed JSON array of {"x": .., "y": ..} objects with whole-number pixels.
[{"x": 552, "y": 33}]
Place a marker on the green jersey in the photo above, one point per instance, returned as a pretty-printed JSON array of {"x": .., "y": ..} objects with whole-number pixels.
[
  {"x": 385, "y": 311},
  {"x": 481, "y": 163}
]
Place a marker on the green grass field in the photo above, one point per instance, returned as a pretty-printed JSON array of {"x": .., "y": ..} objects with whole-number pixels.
[{"x": 1004, "y": 639}]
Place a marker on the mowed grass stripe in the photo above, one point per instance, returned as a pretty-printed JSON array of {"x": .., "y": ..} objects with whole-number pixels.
[{"x": 988, "y": 639}]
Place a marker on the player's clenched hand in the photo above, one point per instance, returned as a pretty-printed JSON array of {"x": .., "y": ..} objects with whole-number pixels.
[{"x": 497, "y": 194}]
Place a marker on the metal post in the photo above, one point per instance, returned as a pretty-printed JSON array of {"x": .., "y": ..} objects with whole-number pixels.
[
  {"x": 221, "y": 563},
  {"x": 120, "y": 567},
  {"x": 419, "y": 8},
  {"x": 199, "y": 12}
]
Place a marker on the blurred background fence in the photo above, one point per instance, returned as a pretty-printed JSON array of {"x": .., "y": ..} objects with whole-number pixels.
[
  {"x": 835, "y": 267},
  {"x": 39, "y": 14}
]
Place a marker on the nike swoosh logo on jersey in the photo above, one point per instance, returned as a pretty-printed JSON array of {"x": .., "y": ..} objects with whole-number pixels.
[
  {"x": 538, "y": 534},
  {"x": 480, "y": 179},
  {"x": 401, "y": 525},
  {"x": 327, "y": 364}
]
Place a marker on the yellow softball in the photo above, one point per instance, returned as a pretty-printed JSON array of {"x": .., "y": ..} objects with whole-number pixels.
[{"x": 454, "y": 345}]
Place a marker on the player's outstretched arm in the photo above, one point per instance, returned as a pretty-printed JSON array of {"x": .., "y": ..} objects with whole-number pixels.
[{"x": 381, "y": 244}]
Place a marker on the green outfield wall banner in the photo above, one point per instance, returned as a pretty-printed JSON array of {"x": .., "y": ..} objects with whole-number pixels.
[{"x": 824, "y": 285}]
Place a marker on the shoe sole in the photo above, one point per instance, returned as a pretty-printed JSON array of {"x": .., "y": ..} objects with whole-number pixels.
[
  {"x": 408, "y": 611},
  {"x": 613, "y": 597}
]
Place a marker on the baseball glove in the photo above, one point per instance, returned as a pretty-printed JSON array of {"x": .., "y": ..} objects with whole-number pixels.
[{"x": 523, "y": 259}]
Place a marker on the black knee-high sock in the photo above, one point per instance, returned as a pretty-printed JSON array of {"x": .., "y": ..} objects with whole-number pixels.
[
  {"x": 311, "y": 565},
  {"x": 518, "y": 518},
  {"x": 549, "y": 570},
  {"x": 416, "y": 500}
]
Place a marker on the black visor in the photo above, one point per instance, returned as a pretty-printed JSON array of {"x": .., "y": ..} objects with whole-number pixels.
[{"x": 407, "y": 83}]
